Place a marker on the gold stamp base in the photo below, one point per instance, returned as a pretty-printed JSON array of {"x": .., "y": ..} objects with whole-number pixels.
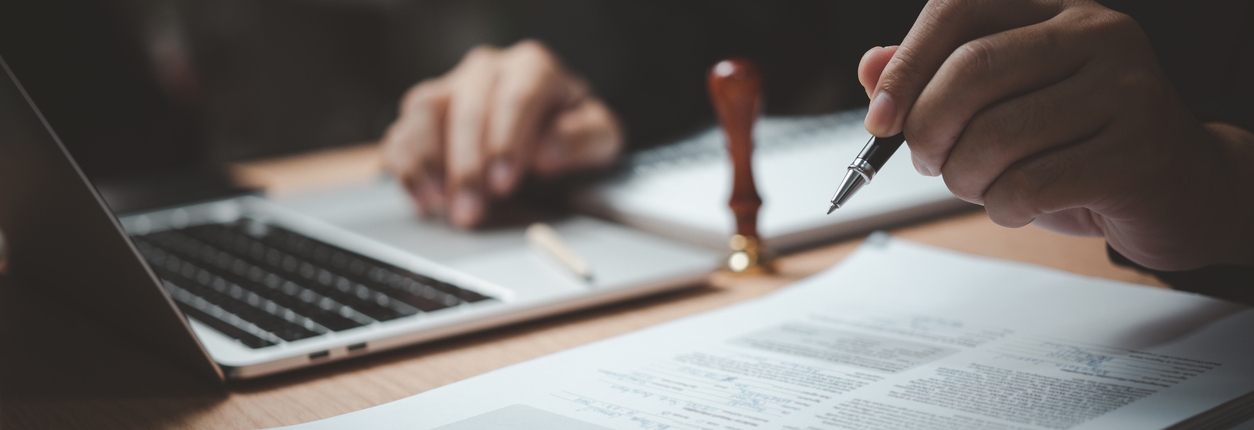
[{"x": 748, "y": 257}]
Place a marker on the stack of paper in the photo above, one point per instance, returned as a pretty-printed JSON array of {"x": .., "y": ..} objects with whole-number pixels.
[
  {"x": 898, "y": 336},
  {"x": 681, "y": 190}
]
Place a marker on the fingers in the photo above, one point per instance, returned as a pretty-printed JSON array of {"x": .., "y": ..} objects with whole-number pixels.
[
  {"x": 413, "y": 146},
  {"x": 941, "y": 28},
  {"x": 522, "y": 103},
  {"x": 469, "y": 137},
  {"x": 984, "y": 71},
  {"x": 1083, "y": 174},
  {"x": 1005, "y": 132},
  {"x": 473, "y": 82},
  {"x": 872, "y": 66}
]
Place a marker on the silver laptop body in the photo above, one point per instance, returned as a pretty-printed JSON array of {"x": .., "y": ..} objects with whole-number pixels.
[{"x": 248, "y": 286}]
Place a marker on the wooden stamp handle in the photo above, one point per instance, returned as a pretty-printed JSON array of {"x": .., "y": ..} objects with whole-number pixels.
[{"x": 736, "y": 90}]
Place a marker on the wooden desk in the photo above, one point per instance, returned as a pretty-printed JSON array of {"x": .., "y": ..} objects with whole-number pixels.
[{"x": 95, "y": 379}]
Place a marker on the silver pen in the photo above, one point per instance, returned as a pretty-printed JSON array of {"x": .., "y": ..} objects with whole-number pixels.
[{"x": 868, "y": 163}]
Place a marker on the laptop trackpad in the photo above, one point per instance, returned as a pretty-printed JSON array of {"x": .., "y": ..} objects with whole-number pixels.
[
  {"x": 619, "y": 256},
  {"x": 381, "y": 210}
]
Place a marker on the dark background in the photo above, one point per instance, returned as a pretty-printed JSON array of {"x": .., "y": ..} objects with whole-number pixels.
[
  {"x": 141, "y": 85},
  {"x": 132, "y": 85}
]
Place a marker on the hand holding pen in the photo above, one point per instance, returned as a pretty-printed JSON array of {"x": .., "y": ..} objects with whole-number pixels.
[{"x": 1057, "y": 113}]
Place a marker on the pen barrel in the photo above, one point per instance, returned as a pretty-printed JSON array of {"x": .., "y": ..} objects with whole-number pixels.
[
  {"x": 736, "y": 91},
  {"x": 877, "y": 152}
]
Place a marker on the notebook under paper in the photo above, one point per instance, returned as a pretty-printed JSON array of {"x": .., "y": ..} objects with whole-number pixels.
[{"x": 681, "y": 190}]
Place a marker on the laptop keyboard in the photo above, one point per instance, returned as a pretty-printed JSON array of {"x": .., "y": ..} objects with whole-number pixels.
[{"x": 263, "y": 285}]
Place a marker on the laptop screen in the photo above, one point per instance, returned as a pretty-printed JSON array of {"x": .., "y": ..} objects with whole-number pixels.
[{"x": 91, "y": 88}]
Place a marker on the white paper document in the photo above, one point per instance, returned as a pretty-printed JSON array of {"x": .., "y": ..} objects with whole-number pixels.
[{"x": 897, "y": 336}]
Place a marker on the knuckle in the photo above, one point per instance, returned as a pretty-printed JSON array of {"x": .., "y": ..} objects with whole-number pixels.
[
  {"x": 540, "y": 68},
  {"x": 973, "y": 59},
  {"x": 1114, "y": 28},
  {"x": 534, "y": 49},
  {"x": 1113, "y": 21},
  {"x": 938, "y": 9},
  {"x": 480, "y": 52},
  {"x": 418, "y": 96},
  {"x": 475, "y": 58},
  {"x": 938, "y": 12},
  {"x": 534, "y": 60},
  {"x": 899, "y": 72},
  {"x": 532, "y": 82}
]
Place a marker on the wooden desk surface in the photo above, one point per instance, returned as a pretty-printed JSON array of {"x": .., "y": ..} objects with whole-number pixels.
[{"x": 92, "y": 378}]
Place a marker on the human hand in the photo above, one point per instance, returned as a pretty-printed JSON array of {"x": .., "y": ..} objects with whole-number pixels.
[
  {"x": 469, "y": 137},
  {"x": 1056, "y": 112}
]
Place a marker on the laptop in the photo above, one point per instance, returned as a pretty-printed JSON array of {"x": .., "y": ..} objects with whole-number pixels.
[
  {"x": 681, "y": 190},
  {"x": 244, "y": 286}
]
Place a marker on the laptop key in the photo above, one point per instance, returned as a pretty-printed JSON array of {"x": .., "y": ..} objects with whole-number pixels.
[
  {"x": 224, "y": 322},
  {"x": 315, "y": 277},
  {"x": 298, "y": 283},
  {"x": 364, "y": 270},
  {"x": 269, "y": 321},
  {"x": 461, "y": 293},
  {"x": 276, "y": 288},
  {"x": 263, "y": 312}
]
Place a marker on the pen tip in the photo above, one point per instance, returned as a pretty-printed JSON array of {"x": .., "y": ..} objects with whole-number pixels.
[{"x": 834, "y": 206}]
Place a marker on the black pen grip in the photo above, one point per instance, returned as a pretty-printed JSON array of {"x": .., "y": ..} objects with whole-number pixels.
[{"x": 880, "y": 149}]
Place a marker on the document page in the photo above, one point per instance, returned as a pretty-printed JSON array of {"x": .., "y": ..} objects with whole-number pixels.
[{"x": 897, "y": 336}]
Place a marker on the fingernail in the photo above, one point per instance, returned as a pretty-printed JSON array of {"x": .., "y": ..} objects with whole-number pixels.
[
  {"x": 467, "y": 208},
  {"x": 501, "y": 176},
  {"x": 881, "y": 115}
]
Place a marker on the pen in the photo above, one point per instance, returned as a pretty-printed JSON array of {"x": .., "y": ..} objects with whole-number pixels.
[
  {"x": 542, "y": 236},
  {"x": 863, "y": 168}
]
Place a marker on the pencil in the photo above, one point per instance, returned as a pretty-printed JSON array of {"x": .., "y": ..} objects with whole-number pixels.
[{"x": 545, "y": 238}]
